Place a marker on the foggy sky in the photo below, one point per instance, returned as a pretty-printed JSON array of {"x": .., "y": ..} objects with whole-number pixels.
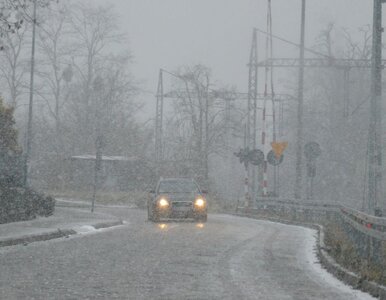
[{"x": 217, "y": 33}]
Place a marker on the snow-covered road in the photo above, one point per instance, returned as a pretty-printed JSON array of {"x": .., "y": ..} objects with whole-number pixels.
[{"x": 226, "y": 258}]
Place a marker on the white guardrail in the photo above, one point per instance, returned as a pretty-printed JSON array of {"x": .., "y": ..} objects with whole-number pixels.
[{"x": 370, "y": 225}]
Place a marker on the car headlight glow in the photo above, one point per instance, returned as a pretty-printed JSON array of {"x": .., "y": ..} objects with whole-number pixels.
[
  {"x": 199, "y": 202},
  {"x": 163, "y": 202}
]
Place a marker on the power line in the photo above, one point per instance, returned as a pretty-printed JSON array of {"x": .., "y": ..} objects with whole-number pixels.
[{"x": 294, "y": 44}]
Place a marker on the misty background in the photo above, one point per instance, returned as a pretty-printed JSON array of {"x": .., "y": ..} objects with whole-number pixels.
[{"x": 96, "y": 79}]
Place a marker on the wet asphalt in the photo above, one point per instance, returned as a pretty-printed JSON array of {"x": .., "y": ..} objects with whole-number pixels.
[{"x": 226, "y": 258}]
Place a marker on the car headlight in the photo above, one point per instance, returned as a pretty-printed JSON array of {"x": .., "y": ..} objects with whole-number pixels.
[
  {"x": 163, "y": 203},
  {"x": 199, "y": 202}
]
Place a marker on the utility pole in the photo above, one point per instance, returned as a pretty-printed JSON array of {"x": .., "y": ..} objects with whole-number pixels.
[
  {"x": 246, "y": 177},
  {"x": 375, "y": 143},
  {"x": 31, "y": 94},
  {"x": 159, "y": 124},
  {"x": 228, "y": 190},
  {"x": 98, "y": 164},
  {"x": 206, "y": 140},
  {"x": 299, "y": 141},
  {"x": 346, "y": 92},
  {"x": 98, "y": 88},
  {"x": 252, "y": 108}
]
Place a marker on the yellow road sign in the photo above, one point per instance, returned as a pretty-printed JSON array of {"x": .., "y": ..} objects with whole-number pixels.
[{"x": 278, "y": 148}]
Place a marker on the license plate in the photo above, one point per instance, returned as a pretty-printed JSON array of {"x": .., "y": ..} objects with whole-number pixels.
[
  {"x": 181, "y": 209},
  {"x": 182, "y": 206}
]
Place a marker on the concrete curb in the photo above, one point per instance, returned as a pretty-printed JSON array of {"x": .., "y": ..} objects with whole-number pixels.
[
  {"x": 107, "y": 224},
  {"x": 328, "y": 262},
  {"x": 75, "y": 204},
  {"x": 55, "y": 234},
  {"x": 37, "y": 237}
]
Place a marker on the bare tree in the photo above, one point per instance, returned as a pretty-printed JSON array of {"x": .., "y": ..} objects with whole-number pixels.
[
  {"x": 14, "y": 13},
  {"x": 15, "y": 17},
  {"x": 13, "y": 67},
  {"x": 82, "y": 41},
  {"x": 54, "y": 63},
  {"x": 198, "y": 126},
  {"x": 95, "y": 34}
]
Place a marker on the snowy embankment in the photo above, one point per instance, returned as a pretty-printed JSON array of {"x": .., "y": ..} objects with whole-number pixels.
[{"x": 322, "y": 275}]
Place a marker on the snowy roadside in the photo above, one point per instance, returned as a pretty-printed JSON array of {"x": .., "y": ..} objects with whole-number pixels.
[
  {"x": 325, "y": 266},
  {"x": 65, "y": 222},
  {"x": 70, "y": 202},
  {"x": 321, "y": 274}
]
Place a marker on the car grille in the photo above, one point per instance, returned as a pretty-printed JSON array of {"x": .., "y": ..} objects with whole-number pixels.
[{"x": 182, "y": 204}]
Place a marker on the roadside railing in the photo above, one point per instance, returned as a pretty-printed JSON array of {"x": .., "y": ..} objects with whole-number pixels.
[
  {"x": 360, "y": 221},
  {"x": 367, "y": 232},
  {"x": 367, "y": 224},
  {"x": 355, "y": 239}
]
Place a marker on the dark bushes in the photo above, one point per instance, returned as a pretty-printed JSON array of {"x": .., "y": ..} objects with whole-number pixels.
[{"x": 19, "y": 204}]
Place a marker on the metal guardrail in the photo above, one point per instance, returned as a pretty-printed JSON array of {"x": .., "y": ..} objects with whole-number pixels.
[
  {"x": 369, "y": 225},
  {"x": 366, "y": 233},
  {"x": 294, "y": 203}
]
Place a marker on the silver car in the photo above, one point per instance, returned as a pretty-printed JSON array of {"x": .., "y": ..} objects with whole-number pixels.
[{"x": 177, "y": 198}]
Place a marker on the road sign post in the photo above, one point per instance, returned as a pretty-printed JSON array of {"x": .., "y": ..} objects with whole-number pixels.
[
  {"x": 254, "y": 157},
  {"x": 311, "y": 151},
  {"x": 278, "y": 148}
]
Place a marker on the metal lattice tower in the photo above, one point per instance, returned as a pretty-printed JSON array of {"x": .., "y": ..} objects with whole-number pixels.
[
  {"x": 161, "y": 95},
  {"x": 374, "y": 156},
  {"x": 252, "y": 91},
  {"x": 339, "y": 63}
]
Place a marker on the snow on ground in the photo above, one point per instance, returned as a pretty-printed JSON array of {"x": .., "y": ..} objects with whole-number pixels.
[
  {"x": 85, "y": 229},
  {"x": 89, "y": 229},
  {"x": 324, "y": 276}
]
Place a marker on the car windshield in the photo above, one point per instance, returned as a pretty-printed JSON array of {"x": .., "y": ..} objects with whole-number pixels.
[{"x": 177, "y": 186}]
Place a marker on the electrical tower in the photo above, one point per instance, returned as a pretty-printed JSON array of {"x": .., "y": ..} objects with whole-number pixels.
[
  {"x": 252, "y": 97},
  {"x": 346, "y": 65}
]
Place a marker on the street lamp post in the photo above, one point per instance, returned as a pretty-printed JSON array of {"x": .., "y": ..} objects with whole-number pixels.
[
  {"x": 31, "y": 93},
  {"x": 98, "y": 87}
]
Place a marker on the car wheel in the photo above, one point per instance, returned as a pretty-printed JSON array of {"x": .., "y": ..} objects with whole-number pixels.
[
  {"x": 155, "y": 217},
  {"x": 152, "y": 216},
  {"x": 149, "y": 215}
]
